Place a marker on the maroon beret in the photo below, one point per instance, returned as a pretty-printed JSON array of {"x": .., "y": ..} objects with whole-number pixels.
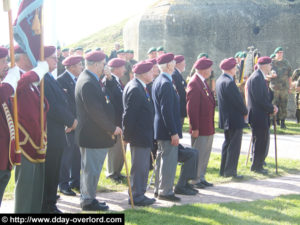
[
  {"x": 18, "y": 50},
  {"x": 3, "y": 52},
  {"x": 203, "y": 63},
  {"x": 72, "y": 60},
  {"x": 95, "y": 56},
  {"x": 179, "y": 58},
  {"x": 264, "y": 60},
  {"x": 153, "y": 61},
  {"x": 142, "y": 67},
  {"x": 116, "y": 62},
  {"x": 49, "y": 50},
  {"x": 228, "y": 64},
  {"x": 165, "y": 58}
]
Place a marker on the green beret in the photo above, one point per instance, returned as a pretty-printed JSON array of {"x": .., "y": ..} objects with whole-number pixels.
[
  {"x": 272, "y": 56},
  {"x": 278, "y": 49},
  {"x": 160, "y": 48},
  {"x": 152, "y": 49},
  {"x": 79, "y": 48},
  {"x": 65, "y": 50},
  {"x": 127, "y": 51},
  {"x": 201, "y": 55},
  {"x": 98, "y": 49},
  {"x": 131, "y": 51},
  {"x": 243, "y": 55},
  {"x": 237, "y": 54},
  {"x": 120, "y": 51}
]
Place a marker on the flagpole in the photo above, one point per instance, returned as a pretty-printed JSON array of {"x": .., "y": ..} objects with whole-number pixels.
[{"x": 6, "y": 6}]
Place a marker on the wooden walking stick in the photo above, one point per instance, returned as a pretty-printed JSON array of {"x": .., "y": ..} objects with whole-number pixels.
[
  {"x": 275, "y": 138},
  {"x": 250, "y": 146},
  {"x": 127, "y": 174},
  {"x": 7, "y": 8}
]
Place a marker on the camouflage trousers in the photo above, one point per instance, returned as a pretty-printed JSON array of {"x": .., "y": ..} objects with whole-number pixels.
[{"x": 281, "y": 100}]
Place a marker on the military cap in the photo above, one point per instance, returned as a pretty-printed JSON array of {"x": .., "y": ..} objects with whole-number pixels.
[
  {"x": 243, "y": 55},
  {"x": 87, "y": 51},
  {"x": 116, "y": 62},
  {"x": 131, "y": 51},
  {"x": 228, "y": 64},
  {"x": 178, "y": 58},
  {"x": 153, "y": 61},
  {"x": 142, "y": 67},
  {"x": 160, "y": 48},
  {"x": 49, "y": 50},
  {"x": 165, "y": 58},
  {"x": 272, "y": 56},
  {"x": 202, "y": 55},
  {"x": 65, "y": 50},
  {"x": 78, "y": 48},
  {"x": 98, "y": 49},
  {"x": 203, "y": 63},
  {"x": 95, "y": 56},
  {"x": 237, "y": 55},
  {"x": 278, "y": 49},
  {"x": 3, "y": 52},
  {"x": 120, "y": 51},
  {"x": 72, "y": 60},
  {"x": 18, "y": 50},
  {"x": 152, "y": 49},
  {"x": 127, "y": 51},
  {"x": 264, "y": 60}
]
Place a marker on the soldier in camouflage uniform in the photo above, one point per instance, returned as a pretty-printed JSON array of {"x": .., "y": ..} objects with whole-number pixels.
[
  {"x": 281, "y": 85},
  {"x": 296, "y": 82}
]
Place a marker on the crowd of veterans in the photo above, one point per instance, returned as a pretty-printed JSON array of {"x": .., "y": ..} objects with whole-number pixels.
[{"x": 98, "y": 103}]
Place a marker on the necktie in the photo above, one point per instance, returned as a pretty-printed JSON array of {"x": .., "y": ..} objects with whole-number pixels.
[
  {"x": 122, "y": 85},
  {"x": 147, "y": 94},
  {"x": 75, "y": 79}
]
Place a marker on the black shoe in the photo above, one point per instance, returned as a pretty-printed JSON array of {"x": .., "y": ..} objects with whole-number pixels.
[
  {"x": 95, "y": 206},
  {"x": 261, "y": 171},
  {"x": 282, "y": 125},
  {"x": 184, "y": 191},
  {"x": 199, "y": 186},
  {"x": 122, "y": 177},
  {"x": 190, "y": 186},
  {"x": 204, "y": 182},
  {"x": 146, "y": 201},
  {"x": 155, "y": 194},
  {"x": 57, "y": 197},
  {"x": 52, "y": 210},
  {"x": 115, "y": 178},
  {"x": 171, "y": 198},
  {"x": 68, "y": 192}
]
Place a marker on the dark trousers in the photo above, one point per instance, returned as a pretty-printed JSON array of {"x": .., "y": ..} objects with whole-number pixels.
[
  {"x": 4, "y": 179},
  {"x": 261, "y": 137},
  {"x": 70, "y": 164},
  {"x": 231, "y": 149}
]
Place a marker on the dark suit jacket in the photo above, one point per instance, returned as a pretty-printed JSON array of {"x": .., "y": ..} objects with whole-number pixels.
[
  {"x": 231, "y": 105},
  {"x": 167, "y": 109},
  {"x": 180, "y": 86},
  {"x": 94, "y": 112},
  {"x": 200, "y": 107},
  {"x": 138, "y": 115},
  {"x": 259, "y": 101},
  {"x": 58, "y": 115},
  {"x": 115, "y": 91}
]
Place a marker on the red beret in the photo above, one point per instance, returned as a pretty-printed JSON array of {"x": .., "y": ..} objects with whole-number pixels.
[
  {"x": 153, "y": 61},
  {"x": 264, "y": 60},
  {"x": 3, "y": 52},
  {"x": 18, "y": 50},
  {"x": 165, "y": 58},
  {"x": 116, "y": 62},
  {"x": 49, "y": 50},
  {"x": 228, "y": 64},
  {"x": 142, "y": 67},
  {"x": 95, "y": 56},
  {"x": 179, "y": 58},
  {"x": 203, "y": 63},
  {"x": 72, "y": 60}
]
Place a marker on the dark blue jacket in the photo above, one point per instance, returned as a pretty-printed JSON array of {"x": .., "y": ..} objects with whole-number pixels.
[
  {"x": 138, "y": 115},
  {"x": 180, "y": 86},
  {"x": 259, "y": 101},
  {"x": 167, "y": 109},
  {"x": 231, "y": 105}
]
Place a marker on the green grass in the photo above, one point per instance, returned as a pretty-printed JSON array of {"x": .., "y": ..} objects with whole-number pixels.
[
  {"x": 282, "y": 210},
  {"x": 292, "y": 127}
]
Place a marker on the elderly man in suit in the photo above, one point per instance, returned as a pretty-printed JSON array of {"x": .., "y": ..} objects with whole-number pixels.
[
  {"x": 232, "y": 115},
  {"x": 138, "y": 129},
  {"x": 70, "y": 163},
  {"x": 96, "y": 128},
  {"x": 260, "y": 108},
  {"x": 201, "y": 110},
  {"x": 167, "y": 126}
]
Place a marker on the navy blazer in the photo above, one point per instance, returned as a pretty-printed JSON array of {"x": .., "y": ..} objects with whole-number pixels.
[
  {"x": 95, "y": 113},
  {"x": 232, "y": 108},
  {"x": 58, "y": 115},
  {"x": 180, "y": 86},
  {"x": 259, "y": 101},
  {"x": 167, "y": 109},
  {"x": 138, "y": 115},
  {"x": 115, "y": 91}
]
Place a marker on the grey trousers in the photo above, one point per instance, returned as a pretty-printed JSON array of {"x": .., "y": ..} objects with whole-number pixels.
[
  {"x": 29, "y": 178},
  {"x": 140, "y": 165},
  {"x": 167, "y": 157},
  {"x": 115, "y": 159},
  {"x": 4, "y": 179},
  {"x": 204, "y": 145},
  {"x": 91, "y": 165}
]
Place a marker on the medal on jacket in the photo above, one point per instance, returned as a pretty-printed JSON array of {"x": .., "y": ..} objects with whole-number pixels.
[
  {"x": 175, "y": 88},
  {"x": 205, "y": 89},
  {"x": 147, "y": 94},
  {"x": 107, "y": 99}
]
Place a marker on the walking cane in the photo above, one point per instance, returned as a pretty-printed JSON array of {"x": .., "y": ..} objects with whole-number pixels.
[
  {"x": 250, "y": 145},
  {"x": 127, "y": 174},
  {"x": 275, "y": 138}
]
